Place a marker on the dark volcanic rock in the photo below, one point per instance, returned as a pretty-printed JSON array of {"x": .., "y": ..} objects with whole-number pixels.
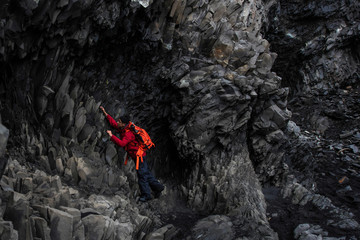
[
  {"x": 316, "y": 42},
  {"x": 197, "y": 75},
  {"x": 4, "y": 135}
]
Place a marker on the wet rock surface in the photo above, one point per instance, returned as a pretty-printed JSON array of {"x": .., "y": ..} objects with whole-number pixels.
[{"x": 238, "y": 160}]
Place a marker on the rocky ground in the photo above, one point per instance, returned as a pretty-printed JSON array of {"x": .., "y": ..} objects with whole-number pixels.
[{"x": 324, "y": 155}]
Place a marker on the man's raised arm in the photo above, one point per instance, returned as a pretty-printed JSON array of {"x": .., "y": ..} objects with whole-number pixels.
[
  {"x": 112, "y": 122},
  {"x": 103, "y": 109}
]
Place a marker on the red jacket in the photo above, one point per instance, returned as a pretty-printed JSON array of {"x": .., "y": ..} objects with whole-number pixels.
[{"x": 127, "y": 138}]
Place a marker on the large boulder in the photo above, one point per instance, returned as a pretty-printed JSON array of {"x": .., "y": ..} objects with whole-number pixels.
[{"x": 214, "y": 227}]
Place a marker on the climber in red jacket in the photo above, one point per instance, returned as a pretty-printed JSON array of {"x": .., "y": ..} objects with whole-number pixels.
[{"x": 128, "y": 141}]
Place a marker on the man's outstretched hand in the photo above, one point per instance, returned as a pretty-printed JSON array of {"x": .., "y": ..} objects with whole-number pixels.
[
  {"x": 109, "y": 132},
  {"x": 103, "y": 109}
]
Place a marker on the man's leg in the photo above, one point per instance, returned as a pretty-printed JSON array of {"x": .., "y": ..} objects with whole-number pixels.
[
  {"x": 143, "y": 175},
  {"x": 154, "y": 184}
]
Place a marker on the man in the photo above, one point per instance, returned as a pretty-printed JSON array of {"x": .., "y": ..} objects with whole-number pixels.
[{"x": 128, "y": 141}]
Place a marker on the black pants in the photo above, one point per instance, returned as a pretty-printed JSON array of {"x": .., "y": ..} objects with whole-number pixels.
[{"x": 147, "y": 181}]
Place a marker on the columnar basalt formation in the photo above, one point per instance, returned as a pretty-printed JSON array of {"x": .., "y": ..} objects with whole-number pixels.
[{"x": 196, "y": 74}]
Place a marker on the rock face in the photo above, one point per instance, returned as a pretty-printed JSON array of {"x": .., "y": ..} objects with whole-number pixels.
[
  {"x": 318, "y": 58},
  {"x": 197, "y": 75},
  {"x": 4, "y": 135},
  {"x": 317, "y": 44}
]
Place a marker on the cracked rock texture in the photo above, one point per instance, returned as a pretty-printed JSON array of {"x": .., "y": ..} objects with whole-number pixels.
[
  {"x": 317, "y": 43},
  {"x": 197, "y": 75}
]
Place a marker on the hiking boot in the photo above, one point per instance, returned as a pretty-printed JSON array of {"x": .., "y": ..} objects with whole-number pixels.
[
  {"x": 144, "y": 199},
  {"x": 158, "y": 193}
]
